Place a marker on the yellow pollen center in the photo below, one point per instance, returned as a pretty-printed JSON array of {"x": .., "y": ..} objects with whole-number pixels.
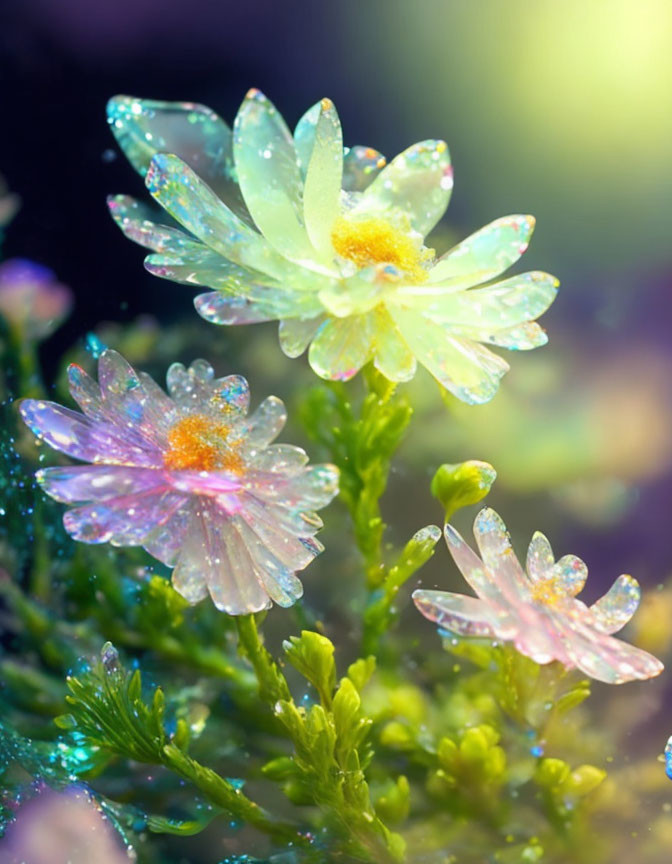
[
  {"x": 375, "y": 241},
  {"x": 548, "y": 592},
  {"x": 199, "y": 443}
]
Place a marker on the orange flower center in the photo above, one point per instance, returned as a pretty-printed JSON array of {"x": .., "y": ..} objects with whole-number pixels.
[
  {"x": 199, "y": 443},
  {"x": 375, "y": 241},
  {"x": 548, "y": 592}
]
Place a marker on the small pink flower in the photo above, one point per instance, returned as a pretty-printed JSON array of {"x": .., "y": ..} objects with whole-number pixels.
[
  {"x": 190, "y": 477},
  {"x": 31, "y": 299},
  {"x": 538, "y": 611}
]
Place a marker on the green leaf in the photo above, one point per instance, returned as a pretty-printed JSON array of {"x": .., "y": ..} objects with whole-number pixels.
[
  {"x": 313, "y": 656},
  {"x": 361, "y": 670}
]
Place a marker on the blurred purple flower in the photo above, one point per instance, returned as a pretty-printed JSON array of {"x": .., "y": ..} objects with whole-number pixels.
[
  {"x": 61, "y": 828},
  {"x": 31, "y": 299}
]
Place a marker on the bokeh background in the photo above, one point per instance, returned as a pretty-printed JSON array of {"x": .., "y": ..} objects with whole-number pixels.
[{"x": 559, "y": 109}]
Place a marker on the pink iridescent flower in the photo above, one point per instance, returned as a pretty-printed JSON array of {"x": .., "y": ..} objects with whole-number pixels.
[
  {"x": 31, "y": 299},
  {"x": 190, "y": 477},
  {"x": 538, "y": 611}
]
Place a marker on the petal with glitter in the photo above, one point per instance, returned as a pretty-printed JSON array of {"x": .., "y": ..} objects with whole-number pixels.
[
  {"x": 280, "y": 459},
  {"x": 85, "y": 392},
  {"x": 78, "y": 483},
  {"x": 265, "y": 424},
  {"x": 526, "y": 337},
  {"x": 279, "y": 581},
  {"x": 456, "y": 613},
  {"x": 416, "y": 184},
  {"x": 465, "y": 368},
  {"x": 123, "y": 521},
  {"x": 497, "y": 553},
  {"x": 540, "y": 557},
  {"x": 141, "y": 225},
  {"x": 196, "y": 207},
  {"x": 77, "y": 436},
  {"x": 501, "y": 306},
  {"x": 569, "y": 573},
  {"x": 322, "y": 188},
  {"x": 304, "y": 136},
  {"x": 144, "y": 127},
  {"x": 269, "y": 176},
  {"x": 361, "y": 166},
  {"x": 613, "y": 611},
  {"x": 296, "y": 334},
  {"x": 392, "y": 356},
  {"x": 485, "y": 254},
  {"x": 166, "y": 539},
  {"x": 341, "y": 347}
]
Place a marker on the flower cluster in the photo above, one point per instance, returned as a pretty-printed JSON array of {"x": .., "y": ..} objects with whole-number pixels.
[
  {"x": 190, "y": 476},
  {"x": 538, "y": 611},
  {"x": 329, "y": 241}
]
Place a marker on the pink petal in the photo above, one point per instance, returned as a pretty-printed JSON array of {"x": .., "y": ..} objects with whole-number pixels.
[
  {"x": 457, "y": 613},
  {"x": 78, "y": 483}
]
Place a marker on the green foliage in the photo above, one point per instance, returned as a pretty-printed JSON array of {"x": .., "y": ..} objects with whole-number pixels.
[{"x": 461, "y": 485}]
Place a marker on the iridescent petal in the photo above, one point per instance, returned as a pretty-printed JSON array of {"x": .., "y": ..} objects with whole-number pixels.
[
  {"x": 166, "y": 539},
  {"x": 196, "y": 386},
  {"x": 296, "y": 333},
  {"x": 279, "y": 581},
  {"x": 465, "y": 368},
  {"x": 125, "y": 402},
  {"x": 223, "y": 309},
  {"x": 524, "y": 338},
  {"x": 392, "y": 356},
  {"x": 540, "y": 557},
  {"x": 144, "y": 127},
  {"x": 304, "y": 136},
  {"x": 485, "y": 254},
  {"x": 195, "y": 206},
  {"x": 312, "y": 489},
  {"x": 416, "y": 185},
  {"x": 189, "y": 575},
  {"x": 280, "y": 459},
  {"x": 293, "y": 552},
  {"x": 497, "y": 553},
  {"x": 341, "y": 347},
  {"x": 361, "y": 166},
  {"x": 123, "y": 521},
  {"x": 140, "y": 224},
  {"x": 77, "y": 436},
  {"x": 355, "y": 295},
  {"x": 78, "y": 483},
  {"x": 322, "y": 189},
  {"x": 613, "y": 611},
  {"x": 269, "y": 176},
  {"x": 85, "y": 392},
  {"x": 602, "y": 656},
  {"x": 569, "y": 574},
  {"x": 501, "y": 306},
  {"x": 456, "y": 613},
  {"x": 265, "y": 424}
]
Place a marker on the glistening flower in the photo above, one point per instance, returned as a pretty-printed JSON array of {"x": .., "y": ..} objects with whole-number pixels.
[
  {"x": 31, "y": 298},
  {"x": 329, "y": 242},
  {"x": 190, "y": 477},
  {"x": 538, "y": 611}
]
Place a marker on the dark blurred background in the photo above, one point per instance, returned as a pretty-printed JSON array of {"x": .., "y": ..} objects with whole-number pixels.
[{"x": 559, "y": 109}]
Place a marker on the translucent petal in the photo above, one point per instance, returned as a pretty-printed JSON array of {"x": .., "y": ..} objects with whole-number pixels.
[
  {"x": 569, "y": 574},
  {"x": 140, "y": 224},
  {"x": 613, "y": 611},
  {"x": 322, "y": 189},
  {"x": 166, "y": 539},
  {"x": 77, "y": 436},
  {"x": 220, "y": 308},
  {"x": 293, "y": 552},
  {"x": 523, "y": 338},
  {"x": 485, "y": 254},
  {"x": 361, "y": 166},
  {"x": 78, "y": 483},
  {"x": 304, "y": 136},
  {"x": 193, "y": 132},
  {"x": 392, "y": 356},
  {"x": 355, "y": 295},
  {"x": 278, "y": 580},
  {"x": 341, "y": 347},
  {"x": 189, "y": 575},
  {"x": 265, "y": 424},
  {"x": 123, "y": 521},
  {"x": 416, "y": 185},
  {"x": 296, "y": 333},
  {"x": 457, "y": 613},
  {"x": 540, "y": 558},
  {"x": 126, "y": 403},
  {"x": 484, "y": 583},
  {"x": 196, "y": 387},
  {"x": 280, "y": 459},
  {"x": 269, "y": 177},
  {"x": 465, "y": 368},
  {"x": 196, "y": 207},
  {"x": 85, "y": 392},
  {"x": 501, "y": 306},
  {"x": 312, "y": 489},
  {"x": 497, "y": 553},
  {"x": 601, "y": 656}
]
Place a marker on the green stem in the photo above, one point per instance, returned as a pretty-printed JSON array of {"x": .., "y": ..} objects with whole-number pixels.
[
  {"x": 272, "y": 684},
  {"x": 227, "y": 797}
]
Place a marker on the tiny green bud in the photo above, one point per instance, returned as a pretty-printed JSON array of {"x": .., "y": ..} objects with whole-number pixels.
[
  {"x": 583, "y": 780},
  {"x": 396, "y": 736},
  {"x": 551, "y": 773},
  {"x": 447, "y": 753},
  {"x": 460, "y": 485}
]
